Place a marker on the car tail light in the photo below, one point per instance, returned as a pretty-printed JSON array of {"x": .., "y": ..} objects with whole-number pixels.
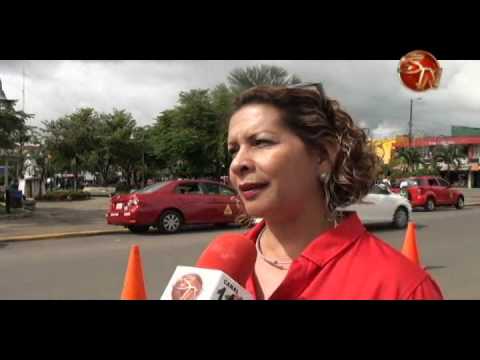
[{"x": 133, "y": 202}]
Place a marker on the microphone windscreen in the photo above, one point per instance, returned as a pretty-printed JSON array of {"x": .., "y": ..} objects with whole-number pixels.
[{"x": 234, "y": 254}]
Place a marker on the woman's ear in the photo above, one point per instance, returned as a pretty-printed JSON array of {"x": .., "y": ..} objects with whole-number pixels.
[
  {"x": 324, "y": 167},
  {"x": 325, "y": 161}
]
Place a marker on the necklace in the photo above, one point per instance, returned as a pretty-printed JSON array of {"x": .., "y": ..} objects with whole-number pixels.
[{"x": 277, "y": 263}]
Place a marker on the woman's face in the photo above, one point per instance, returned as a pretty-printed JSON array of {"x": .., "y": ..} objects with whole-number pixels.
[{"x": 275, "y": 174}]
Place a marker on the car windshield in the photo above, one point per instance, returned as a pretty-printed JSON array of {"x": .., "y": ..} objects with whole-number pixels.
[
  {"x": 405, "y": 182},
  {"x": 412, "y": 182},
  {"x": 381, "y": 189},
  {"x": 151, "y": 188}
]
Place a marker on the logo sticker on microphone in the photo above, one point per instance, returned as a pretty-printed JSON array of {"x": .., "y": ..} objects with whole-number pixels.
[
  {"x": 188, "y": 287},
  {"x": 420, "y": 71}
]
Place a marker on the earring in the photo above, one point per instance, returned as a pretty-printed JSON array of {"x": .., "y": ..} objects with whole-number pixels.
[{"x": 323, "y": 177}]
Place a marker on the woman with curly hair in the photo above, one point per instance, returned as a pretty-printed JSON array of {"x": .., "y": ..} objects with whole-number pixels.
[{"x": 297, "y": 158}]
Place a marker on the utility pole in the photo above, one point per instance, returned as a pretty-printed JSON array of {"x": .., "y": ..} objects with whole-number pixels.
[
  {"x": 23, "y": 88},
  {"x": 410, "y": 124}
]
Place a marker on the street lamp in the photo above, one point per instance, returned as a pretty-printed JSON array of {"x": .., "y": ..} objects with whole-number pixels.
[{"x": 410, "y": 123}]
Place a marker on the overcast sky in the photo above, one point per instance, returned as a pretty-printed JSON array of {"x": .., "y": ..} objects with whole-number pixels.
[{"x": 369, "y": 90}]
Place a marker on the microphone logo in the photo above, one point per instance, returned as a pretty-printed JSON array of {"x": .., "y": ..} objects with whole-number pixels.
[
  {"x": 188, "y": 287},
  {"x": 420, "y": 71}
]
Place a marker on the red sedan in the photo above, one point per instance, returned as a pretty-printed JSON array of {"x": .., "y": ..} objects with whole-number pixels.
[{"x": 169, "y": 205}]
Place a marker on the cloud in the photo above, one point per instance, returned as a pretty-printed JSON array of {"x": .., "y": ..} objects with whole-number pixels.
[
  {"x": 369, "y": 90},
  {"x": 385, "y": 130}
]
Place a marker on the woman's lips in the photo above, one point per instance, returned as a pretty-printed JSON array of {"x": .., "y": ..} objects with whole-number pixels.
[{"x": 251, "y": 191}]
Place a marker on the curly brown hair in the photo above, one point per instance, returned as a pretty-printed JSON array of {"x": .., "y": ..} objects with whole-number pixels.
[{"x": 318, "y": 120}]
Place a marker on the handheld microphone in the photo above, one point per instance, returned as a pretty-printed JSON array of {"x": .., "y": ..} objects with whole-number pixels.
[{"x": 220, "y": 273}]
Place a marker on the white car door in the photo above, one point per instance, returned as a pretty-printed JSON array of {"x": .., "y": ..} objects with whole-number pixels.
[
  {"x": 364, "y": 208},
  {"x": 385, "y": 206},
  {"x": 376, "y": 207}
]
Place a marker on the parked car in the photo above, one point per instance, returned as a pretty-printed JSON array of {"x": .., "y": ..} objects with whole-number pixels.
[
  {"x": 169, "y": 205},
  {"x": 99, "y": 190},
  {"x": 429, "y": 192},
  {"x": 379, "y": 206}
]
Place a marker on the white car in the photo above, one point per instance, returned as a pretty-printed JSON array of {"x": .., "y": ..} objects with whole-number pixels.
[
  {"x": 383, "y": 206},
  {"x": 379, "y": 206}
]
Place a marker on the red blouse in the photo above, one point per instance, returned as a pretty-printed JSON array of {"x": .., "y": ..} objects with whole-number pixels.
[{"x": 348, "y": 263}]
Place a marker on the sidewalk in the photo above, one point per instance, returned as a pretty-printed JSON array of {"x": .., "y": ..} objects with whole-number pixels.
[
  {"x": 59, "y": 220},
  {"x": 472, "y": 196}
]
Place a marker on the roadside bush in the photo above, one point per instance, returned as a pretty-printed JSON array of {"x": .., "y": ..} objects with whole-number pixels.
[{"x": 64, "y": 196}]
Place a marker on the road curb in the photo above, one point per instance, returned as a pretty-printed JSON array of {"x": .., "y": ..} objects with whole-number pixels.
[
  {"x": 473, "y": 204},
  {"x": 62, "y": 235}
]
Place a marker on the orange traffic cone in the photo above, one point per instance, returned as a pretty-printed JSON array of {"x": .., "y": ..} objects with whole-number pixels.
[
  {"x": 134, "y": 284},
  {"x": 410, "y": 249}
]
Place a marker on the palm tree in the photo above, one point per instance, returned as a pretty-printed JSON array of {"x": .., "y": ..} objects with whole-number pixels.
[
  {"x": 411, "y": 157},
  {"x": 243, "y": 79},
  {"x": 451, "y": 156}
]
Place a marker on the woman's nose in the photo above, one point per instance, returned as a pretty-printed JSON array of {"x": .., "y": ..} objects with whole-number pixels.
[{"x": 241, "y": 163}]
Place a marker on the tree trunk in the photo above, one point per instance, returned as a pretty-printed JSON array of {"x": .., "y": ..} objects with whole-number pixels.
[
  {"x": 75, "y": 174},
  {"x": 104, "y": 173},
  {"x": 128, "y": 176}
]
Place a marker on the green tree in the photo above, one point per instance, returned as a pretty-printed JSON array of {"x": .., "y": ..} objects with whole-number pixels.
[
  {"x": 243, "y": 79},
  {"x": 12, "y": 125},
  {"x": 411, "y": 158},
  {"x": 187, "y": 137},
  {"x": 13, "y": 130},
  {"x": 153, "y": 165},
  {"x": 222, "y": 102},
  {"x": 451, "y": 155},
  {"x": 72, "y": 138},
  {"x": 115, "y": 145},
  {"x": 132, "y": 158}
]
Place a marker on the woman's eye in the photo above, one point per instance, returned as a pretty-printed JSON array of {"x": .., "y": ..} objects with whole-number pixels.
[{"x": 262, "y": 142}]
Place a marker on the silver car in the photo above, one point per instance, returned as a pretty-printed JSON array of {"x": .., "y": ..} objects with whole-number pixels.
[{"x": 379, "y": 206}]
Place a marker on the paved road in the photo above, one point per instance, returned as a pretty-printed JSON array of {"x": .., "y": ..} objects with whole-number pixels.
[{"x": 93, "y": 267}]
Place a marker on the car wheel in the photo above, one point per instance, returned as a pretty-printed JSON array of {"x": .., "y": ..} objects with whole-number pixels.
[
  {"x": 138, "y": 229},
  {"x": 430, "y": 205},
  {"x": 460, "y": 203},
  {"x": 170, "y": 222},
  {"x": 400, "y": 218}
]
